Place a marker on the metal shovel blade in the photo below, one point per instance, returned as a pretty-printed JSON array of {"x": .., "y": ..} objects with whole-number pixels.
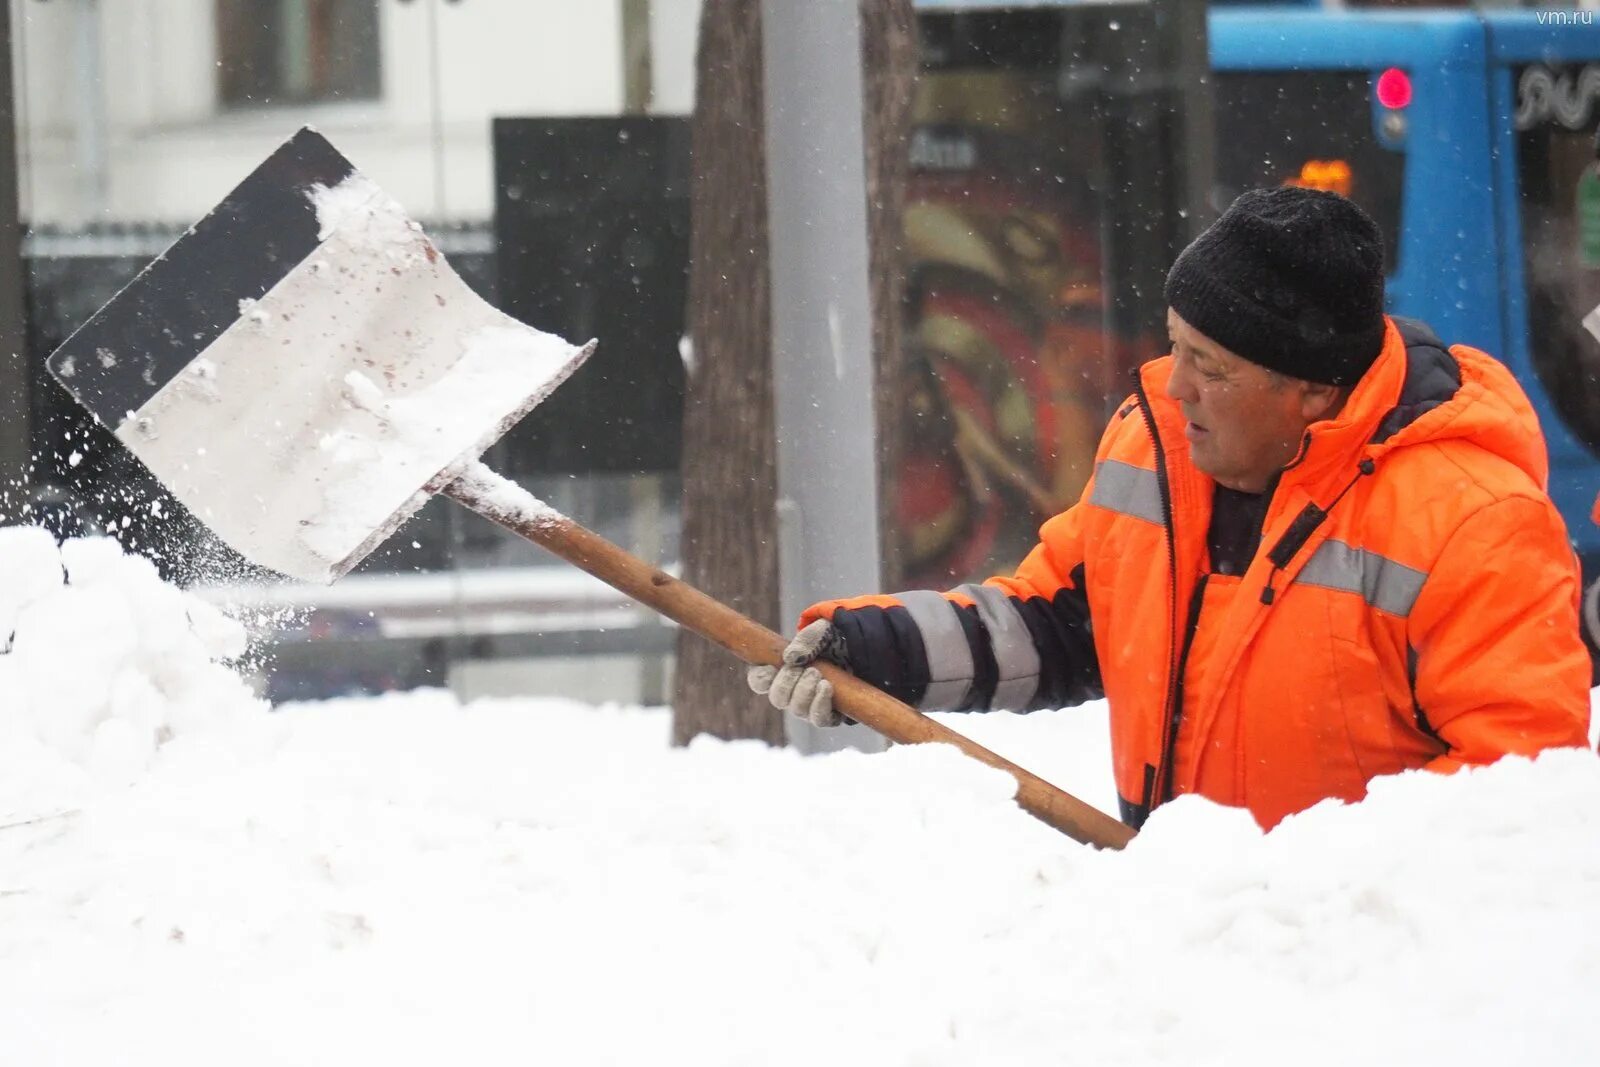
[{"x": 303, "y": 369}]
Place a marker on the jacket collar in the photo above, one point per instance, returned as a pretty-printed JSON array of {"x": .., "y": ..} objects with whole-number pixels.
[{"x": 1332, "y": 448}]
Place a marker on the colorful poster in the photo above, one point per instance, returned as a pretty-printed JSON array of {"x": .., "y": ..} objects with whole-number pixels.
[{"x": 1005, "y": 333}]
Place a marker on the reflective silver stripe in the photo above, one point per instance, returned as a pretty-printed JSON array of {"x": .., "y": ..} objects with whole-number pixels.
[
  {"x": 945, "y": 642},
  {"x": 1130, "y": 490},
  {"x": 1380, "y": 581},
  {"x": 1014, "y": 652}
]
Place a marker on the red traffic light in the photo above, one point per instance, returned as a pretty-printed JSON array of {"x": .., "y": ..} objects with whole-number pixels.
[{"x": 1394, "y": 88}]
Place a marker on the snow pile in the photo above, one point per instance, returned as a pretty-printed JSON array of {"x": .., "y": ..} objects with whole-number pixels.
[
  {"x": 105, "y": 661},
  {"x": 410, "y": 881}
]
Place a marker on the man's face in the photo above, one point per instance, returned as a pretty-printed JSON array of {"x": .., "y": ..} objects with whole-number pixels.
[{"x": 1244, "y": 422}]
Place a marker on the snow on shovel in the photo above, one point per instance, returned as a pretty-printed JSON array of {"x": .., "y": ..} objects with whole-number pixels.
[{"x": 303, "y": 370}]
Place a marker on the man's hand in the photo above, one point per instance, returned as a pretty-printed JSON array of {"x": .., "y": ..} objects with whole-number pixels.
[{"x": 799, "y": 688}]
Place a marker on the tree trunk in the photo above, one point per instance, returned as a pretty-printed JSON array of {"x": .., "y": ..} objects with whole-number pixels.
[
  {"x": 730, "y": 539},
  {"x": 730, "y": 543},
  {"x": 888, "y": 68}
]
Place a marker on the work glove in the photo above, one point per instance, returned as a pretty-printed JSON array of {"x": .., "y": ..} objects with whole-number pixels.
[{"x": 799, "y": 688}]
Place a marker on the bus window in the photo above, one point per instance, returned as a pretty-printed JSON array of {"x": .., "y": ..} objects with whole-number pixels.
[
  {"x": 1312, "y": 128},
  {"x": 1556, "y": 179}
]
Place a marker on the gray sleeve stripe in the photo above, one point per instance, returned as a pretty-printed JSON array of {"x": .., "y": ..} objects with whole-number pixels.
[
  {"x": 1128, "y": 490},
  {"x": 1015, "y": 654},
  {"x": 950, "y": 670},
  {"x": 945, "y": 696},
  {"x": 1384, "y": 584}
]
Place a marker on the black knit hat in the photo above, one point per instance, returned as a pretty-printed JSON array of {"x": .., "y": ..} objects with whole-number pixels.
[{"x": 1288, "y": 278}]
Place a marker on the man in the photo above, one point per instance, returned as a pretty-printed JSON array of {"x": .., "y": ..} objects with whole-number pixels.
[{"x": 1316, "y": 549}]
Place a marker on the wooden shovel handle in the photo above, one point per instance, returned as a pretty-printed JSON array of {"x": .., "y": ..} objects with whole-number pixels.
[{"x": 755, "y": 644}]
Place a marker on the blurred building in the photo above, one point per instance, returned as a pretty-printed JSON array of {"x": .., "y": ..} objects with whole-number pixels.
[{"x": 150, "y": 110}]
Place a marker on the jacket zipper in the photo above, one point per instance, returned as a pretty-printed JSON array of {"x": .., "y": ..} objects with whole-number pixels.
[
  {"x": 1175, "y": 720},
  {"x": 1172, "y": 712}
]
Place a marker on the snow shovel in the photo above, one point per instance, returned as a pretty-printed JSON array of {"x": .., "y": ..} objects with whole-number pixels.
[{"x": 303, "y": 370}]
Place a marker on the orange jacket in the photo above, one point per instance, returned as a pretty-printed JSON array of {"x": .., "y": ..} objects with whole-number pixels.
[{"x": 1413, "y": 603}]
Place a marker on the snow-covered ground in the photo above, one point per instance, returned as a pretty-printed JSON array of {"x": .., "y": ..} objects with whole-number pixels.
[{"x": 187, "y": 878}]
